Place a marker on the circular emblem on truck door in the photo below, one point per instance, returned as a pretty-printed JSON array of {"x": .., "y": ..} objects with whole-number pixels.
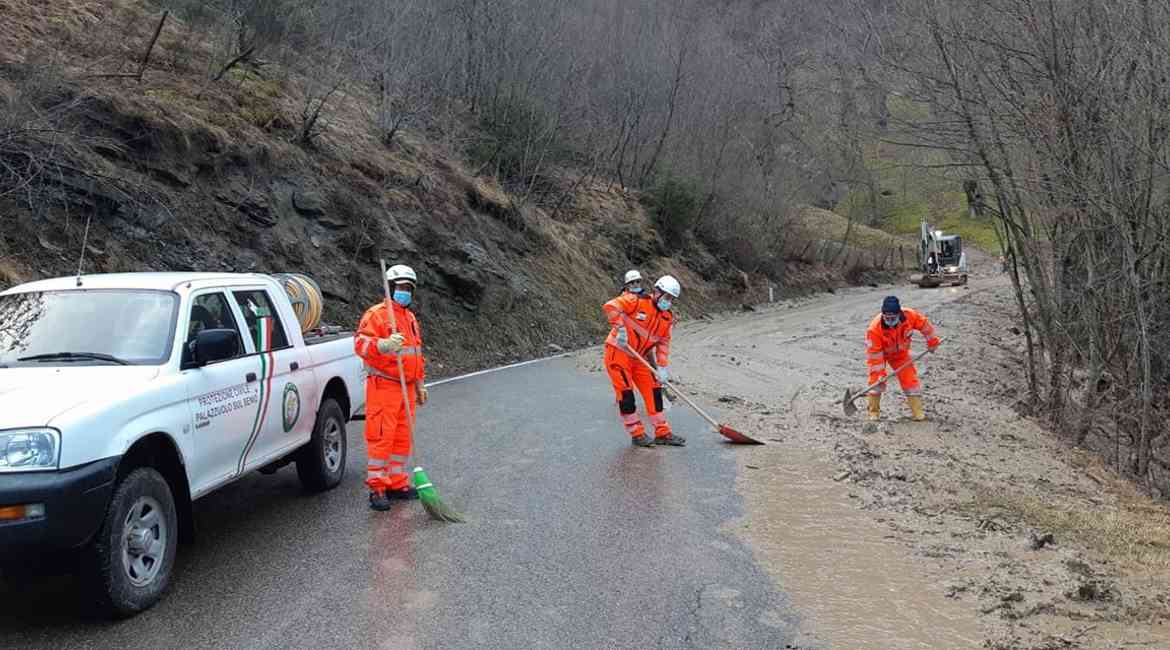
[{"x": 292, "y": 406}]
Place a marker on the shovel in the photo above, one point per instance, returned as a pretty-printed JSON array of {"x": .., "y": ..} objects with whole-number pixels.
[
  {"x": 723, "y": 429},
  {"x": 847, "y": 401}
]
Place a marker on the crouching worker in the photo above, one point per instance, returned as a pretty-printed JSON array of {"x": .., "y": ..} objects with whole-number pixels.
[
  {"x": 641, "y": 325},
  {"x": 888, "y": 343}
]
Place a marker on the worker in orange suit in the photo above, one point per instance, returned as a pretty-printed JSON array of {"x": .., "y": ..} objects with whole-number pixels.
[
  {"x": 640, "y": 325},
  {"x": 633, "y": 283},
  {"x": 888, "y": 343},
  {"x": 389, "y": 416}
]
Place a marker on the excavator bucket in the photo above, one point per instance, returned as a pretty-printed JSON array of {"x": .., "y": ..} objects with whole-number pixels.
[{"x": 847, "y": 402}]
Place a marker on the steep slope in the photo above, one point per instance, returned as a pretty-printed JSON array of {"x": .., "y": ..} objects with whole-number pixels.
[{"x": 180, "y": 171}]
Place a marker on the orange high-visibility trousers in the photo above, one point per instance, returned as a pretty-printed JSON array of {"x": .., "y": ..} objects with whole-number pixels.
[
  {"x": 907, "y": 378},
  {"x": 628, "y": 375},
  {"x": 388, "y": 434}
]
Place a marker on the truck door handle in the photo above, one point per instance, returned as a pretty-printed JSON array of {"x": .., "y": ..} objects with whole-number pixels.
[
  {"x": 294, "y": 366},
  {"x": 250, "y": 377}
]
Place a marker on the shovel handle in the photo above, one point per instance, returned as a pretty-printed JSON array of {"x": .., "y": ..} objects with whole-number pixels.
[{"x": 703, "y": 414}]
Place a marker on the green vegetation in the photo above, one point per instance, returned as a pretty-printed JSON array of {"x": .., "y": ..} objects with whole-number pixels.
[
  {"x": 675, "y": 204},
  {"x": 910, "y": 187}
]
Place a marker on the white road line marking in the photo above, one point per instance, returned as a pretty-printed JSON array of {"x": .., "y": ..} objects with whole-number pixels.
[{"x": 501, "y": 368}]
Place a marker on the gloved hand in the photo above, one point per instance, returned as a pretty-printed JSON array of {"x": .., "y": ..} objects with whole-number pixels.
[
  {"x": 663, "y": 375},
  {"x": 423, "y": 395},
  {"x": 392, "y": 344},
  {"x": 623, "y": 339}
]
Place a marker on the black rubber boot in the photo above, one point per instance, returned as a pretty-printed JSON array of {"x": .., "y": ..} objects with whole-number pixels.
[
  {"x": 379, "y": 502},
  {"x": 671, "y": 441},
  {"x": 641, "y": 441}
]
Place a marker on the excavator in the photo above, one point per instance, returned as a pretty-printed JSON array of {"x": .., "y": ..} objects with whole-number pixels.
[{"x": 941, "y": 258}]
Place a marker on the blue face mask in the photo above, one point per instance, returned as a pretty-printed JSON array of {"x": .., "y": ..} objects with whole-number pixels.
[
  {"x": 891, "y": 320},
  {"x": 664, "y": 304},
  {"x": 402, "y": 298},
  {"x": 637, "y": 290}
]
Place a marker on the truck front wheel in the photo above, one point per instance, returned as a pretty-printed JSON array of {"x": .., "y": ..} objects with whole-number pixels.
[
  {"x": 128, "y": 564},
  {"x": 321, "y": 463}
]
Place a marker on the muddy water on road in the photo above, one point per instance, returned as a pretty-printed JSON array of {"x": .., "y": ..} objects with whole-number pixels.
[{"x": 856, "y": 588}]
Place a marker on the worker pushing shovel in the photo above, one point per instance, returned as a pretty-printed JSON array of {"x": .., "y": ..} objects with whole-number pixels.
[
  {"x": 634, "y": 284},
  {"x": 642, "y": 325},
  {"x": 888, "y": 342}
]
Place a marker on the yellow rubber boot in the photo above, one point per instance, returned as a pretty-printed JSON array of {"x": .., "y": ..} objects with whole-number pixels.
[
  {"x": 875, "y": 407},
  {"x": 917, "y": 413}
]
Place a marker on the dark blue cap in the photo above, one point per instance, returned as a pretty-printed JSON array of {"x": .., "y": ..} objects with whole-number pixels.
[{"x": 891, "y": 305}]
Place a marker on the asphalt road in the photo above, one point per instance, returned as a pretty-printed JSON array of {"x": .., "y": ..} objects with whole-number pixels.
[{"x": 574, "y": 540}]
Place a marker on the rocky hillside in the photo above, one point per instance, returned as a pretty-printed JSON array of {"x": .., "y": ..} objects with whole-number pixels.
[{"x": 177, "y": 170}]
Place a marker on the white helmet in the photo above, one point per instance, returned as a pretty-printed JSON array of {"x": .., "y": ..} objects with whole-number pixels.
[
  {"x": 401, "y": 273},
  {"x": 632, "y": 276},
  {"x": 667, "y": 284}
]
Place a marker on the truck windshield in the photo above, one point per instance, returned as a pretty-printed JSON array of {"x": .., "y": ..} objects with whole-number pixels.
[{"x": 124, "y": 327}]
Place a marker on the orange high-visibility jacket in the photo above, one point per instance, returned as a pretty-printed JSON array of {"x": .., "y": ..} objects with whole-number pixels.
[
  {"x": 887, "y": 344},
  {"x": 647, "y": 327},
  {"x": 376, "y": 325}
]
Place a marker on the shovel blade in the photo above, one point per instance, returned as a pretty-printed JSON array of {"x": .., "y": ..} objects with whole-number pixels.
[
  {"x": 847, "y": 403},
  {"x": 737, "y": 437}
]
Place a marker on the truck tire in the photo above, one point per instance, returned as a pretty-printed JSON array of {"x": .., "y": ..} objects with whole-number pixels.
[
  {"x": 321, "y": 463},
  {"x": 128, "y": 564}
]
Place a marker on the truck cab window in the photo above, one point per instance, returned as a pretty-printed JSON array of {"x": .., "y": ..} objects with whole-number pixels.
[
  {"x": 256, "y": 305},
  {"x": 209, "y": 311}
]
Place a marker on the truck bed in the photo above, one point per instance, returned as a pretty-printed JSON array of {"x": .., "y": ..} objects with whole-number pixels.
[{"x": 325, "y": 334}]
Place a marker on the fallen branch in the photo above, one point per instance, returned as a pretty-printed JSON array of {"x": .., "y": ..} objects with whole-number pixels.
[
  {"x": 234, "y": 62},
  {"x": 153, "y": 40}
]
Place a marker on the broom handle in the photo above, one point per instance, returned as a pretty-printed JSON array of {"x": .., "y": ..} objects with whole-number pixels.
[
  {"x": 630, "y": 351},
  {"x": 397, "y": 357},
  {"x": 895, "y": 373}
]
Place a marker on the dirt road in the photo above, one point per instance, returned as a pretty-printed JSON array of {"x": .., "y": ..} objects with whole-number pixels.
[{"x": 936, "y": 534}]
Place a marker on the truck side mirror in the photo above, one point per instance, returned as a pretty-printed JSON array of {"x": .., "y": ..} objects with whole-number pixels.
[{"x": 215, "y": 345}]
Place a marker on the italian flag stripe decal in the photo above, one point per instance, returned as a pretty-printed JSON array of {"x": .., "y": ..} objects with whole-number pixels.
[{"x": 264, "y": 348}]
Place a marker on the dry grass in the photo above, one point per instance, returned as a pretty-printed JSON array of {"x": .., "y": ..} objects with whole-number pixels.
[
  {"x": 1134, "y": 531},
  {"x": 831, "y": 226}
]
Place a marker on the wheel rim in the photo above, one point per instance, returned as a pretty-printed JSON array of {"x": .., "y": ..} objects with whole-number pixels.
[
  {"x": 332, "y": 447},
  {"x": 144, "y": 541}
]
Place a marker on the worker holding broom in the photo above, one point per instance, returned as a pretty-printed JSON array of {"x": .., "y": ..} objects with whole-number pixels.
[
  {"x": 888, "y": 342},
  {"x": 392, "y": 351},
  {"x": 641, "y": 325}
]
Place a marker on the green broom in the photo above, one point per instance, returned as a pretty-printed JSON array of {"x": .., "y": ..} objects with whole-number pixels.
[{"x": 429, "y": 497}]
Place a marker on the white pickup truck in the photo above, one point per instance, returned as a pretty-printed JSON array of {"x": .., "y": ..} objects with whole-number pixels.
[{"x": 125, "y": 397}]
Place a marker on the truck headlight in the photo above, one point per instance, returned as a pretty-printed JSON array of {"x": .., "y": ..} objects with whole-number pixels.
[{"x": 29, "y": 450}]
